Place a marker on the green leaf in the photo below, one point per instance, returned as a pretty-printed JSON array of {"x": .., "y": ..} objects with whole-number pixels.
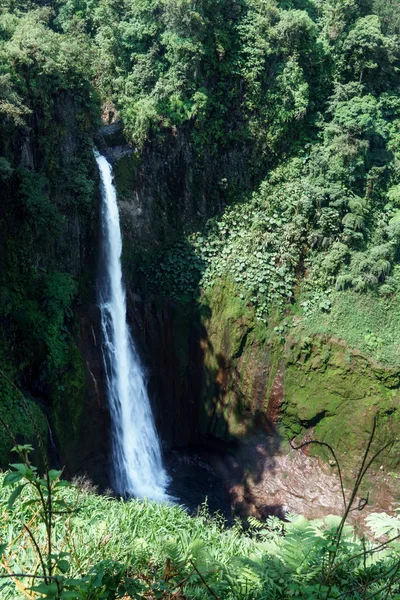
[
  {"x": 11, "y": 478},
  {"x": 31, "y": 502},
  {"x": 63, "y": 483},
  {"x": 63, "y": 565},
  {"x": 22, "y": 448},
  {"x": 20, "y": 467},
  {"x": 15, "y": 495},
  {"x": 49, "y": 590},
  {"x": 53, "y": 474}
]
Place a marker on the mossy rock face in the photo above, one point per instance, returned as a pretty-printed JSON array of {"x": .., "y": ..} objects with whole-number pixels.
[
  {"x": 169, "y": 189},
  {"x": 239, "y": 365},
  {"x": 50, "y": 254},
  {"x": 69, "y": 403},
  {"x": 23, "y": 421},
  {"x": 125, "y": 172},
  {"x": 313, "y": 386},
  {"x": 338, "y": 394}
]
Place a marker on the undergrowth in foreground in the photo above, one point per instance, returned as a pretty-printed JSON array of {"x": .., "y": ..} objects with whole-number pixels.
[{"x": 65, "y": 542}]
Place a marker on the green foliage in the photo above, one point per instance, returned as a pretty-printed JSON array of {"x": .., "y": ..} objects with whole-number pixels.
[
  {"x": 47, "y": 108},
  {"x": 307, "y": 92},
  {"x": 40, "y": 312},
  {"x": 43, "y": 513},
  {"x": 369, "y": 55},
  {"x": 330, "y": 212},
  {"x": 282, "y": 68},
  {"x": 255, "y": 244},
  {"x": 216, "y": 68},
  {"x": 368, "y": 322},
  {"x": 156, "y": 60},
  {"x": 103, "y": 548},
  {"x": 310, "y": 88},
  {"x": 20, "y": 423}
]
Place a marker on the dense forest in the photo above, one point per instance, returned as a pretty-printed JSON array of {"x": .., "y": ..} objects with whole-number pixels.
[{"x": 256, "y": 153}]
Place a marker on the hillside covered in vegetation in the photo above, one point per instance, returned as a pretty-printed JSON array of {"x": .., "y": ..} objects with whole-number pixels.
[{"x": 256, "y": 152}]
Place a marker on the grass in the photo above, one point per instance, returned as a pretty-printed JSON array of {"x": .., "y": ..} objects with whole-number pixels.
[
  {"x": 175, "y": 555},
  {"x": 139, "y": 534},
  {"x": 365, "y": 322}
]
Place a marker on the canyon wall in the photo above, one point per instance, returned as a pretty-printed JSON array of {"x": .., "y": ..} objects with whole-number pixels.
[{"x": 214, "y": 371}]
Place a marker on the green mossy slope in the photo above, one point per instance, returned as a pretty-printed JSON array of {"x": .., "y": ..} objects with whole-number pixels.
[{"x": 309, "y": 385}]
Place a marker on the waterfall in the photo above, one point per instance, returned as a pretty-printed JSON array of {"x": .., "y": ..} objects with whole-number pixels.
[{"x": 137, "y": 464}]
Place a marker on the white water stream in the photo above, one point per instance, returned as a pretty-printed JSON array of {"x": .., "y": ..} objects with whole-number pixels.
[{"x": 138, "y": 469}]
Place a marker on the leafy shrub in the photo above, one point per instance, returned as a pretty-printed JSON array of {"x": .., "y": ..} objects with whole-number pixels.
[{"x": 107, "y": 548}]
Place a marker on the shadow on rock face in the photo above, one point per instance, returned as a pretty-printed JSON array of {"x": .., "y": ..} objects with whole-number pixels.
[
  {"x": 215, "y": 470},
  {"x": 256, "y": 478}
]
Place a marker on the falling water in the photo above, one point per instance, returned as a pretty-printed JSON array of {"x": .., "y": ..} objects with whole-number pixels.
[{"x": 138, "y": 469}]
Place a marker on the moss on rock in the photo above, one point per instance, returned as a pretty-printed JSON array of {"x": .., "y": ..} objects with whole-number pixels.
[
  {"x": 69, "y": 402},
  {"x": 240, "y": 363},
  {"x": 22, "y": 420},
  {"x": 338, "y": 393},
  {"x": 125, "y": 172},
  {"x": 314, "y": 386}
]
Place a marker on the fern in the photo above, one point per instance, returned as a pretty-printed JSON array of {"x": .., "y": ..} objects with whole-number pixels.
[{"x": 383, "y": 524}]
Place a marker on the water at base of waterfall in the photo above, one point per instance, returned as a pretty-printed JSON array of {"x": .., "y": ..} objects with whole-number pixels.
[{"x": 137, "y": 464}]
